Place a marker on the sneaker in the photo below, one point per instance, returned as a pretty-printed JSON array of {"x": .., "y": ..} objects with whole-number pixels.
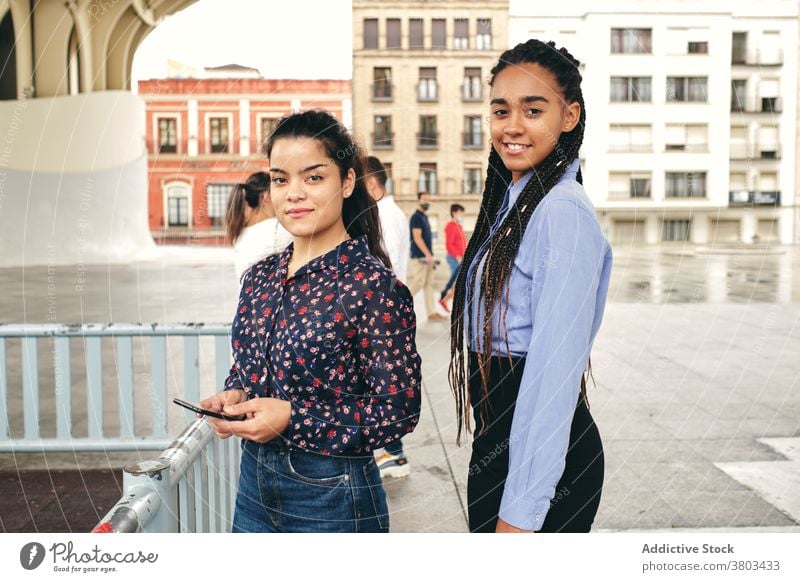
[
  {"x": 444, "y": 305},
  {"x": 393, "y": 465},
  {"x": 437, "y": 317}
]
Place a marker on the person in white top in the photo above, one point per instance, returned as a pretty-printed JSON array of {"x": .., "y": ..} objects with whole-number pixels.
[
  {"x": 250, "y": 223},
  {"x": 394, "y": 222},
  {"x": 397, "y": 241}
]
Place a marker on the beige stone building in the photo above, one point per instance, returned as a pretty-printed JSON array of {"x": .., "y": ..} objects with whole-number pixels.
[{"x": 420, "y": 96}]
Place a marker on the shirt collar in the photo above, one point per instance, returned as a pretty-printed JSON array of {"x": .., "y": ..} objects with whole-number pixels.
[
  {"x": 340, "y": 258},
  {"x": 514, "y": 190}
]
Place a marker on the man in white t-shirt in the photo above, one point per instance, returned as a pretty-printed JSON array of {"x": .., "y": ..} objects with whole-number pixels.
[
  {"x": 394, "y": 223},
  {"x": 397, "y": 240}
]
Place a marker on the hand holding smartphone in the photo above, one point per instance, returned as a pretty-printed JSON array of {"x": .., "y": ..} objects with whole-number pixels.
[{"x": 203, "y": 411}]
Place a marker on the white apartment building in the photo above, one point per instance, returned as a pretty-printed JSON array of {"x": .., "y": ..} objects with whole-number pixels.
[{"x": 691, "y": 114}]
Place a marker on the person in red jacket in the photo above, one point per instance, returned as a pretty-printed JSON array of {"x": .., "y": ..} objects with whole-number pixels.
[{"x": 456, "y": 244}]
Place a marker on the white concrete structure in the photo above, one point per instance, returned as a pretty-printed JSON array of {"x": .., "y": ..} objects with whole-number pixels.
[
  {"x": 691, "y": 114},
  {"x": 73, "y": 165}
]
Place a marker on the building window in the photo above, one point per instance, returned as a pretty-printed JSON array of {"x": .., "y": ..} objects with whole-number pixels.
[
  {"x": 738, "y": 95},
  {"x": 630, "y": 138},
  {"x": 770, "y": 105},
  {"x": 427, "y": 137},
  {"x": 624, "y": 186},
  {"x": 218, "y": 134},
  {"x": 687, "y": 89},
  {"x": 389, "y": 182},
  {"x": 439, "y": 33},
  {"x": 393, "y": 35},
  {"x": 632, "y": 89},
  {"x": 217, "y": 196},
  {"x": 472, "y": 89},
  {"x": 686, "y": 138},
  {"x": 739, "y": 48},
  {"x": 427, "y": 179},
  {"x": 473, "y": 184},
  {"x": 370, "y": 33},
  {"x": 631, "y": 40},
  {"x": 686, "y": 184},
  {"x": 461, "y": 34},
  {"x": 483, "y": 38},
  {"x": 427, "y": 89},
  {"x": 177, "y": 205},
  {"x": 675, "y": 230},
  {"x": 167, "y": 135},
  {"x": 473, "y": 132},
  {"x": 382, "y": 137},
  {"x": 382, "y": 84},
  {"x": 416, "y": 36},
  {"x": 268, "y": 124},
  {"x": 698, "y": 48}
]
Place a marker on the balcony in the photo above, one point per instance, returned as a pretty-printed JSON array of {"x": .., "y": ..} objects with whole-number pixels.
[
  {"x": 740, "y": 152},
  {"x": 382, "y": 92},
  {"x": 617, "y": 195},
  {"x": 630, "y": 148},
  {"x": 754, "y": 198},
  {"x": 428, "y": 91},
  {"x": 758, "y": 58},
  {"x": 428, "y": 141},
  {"x": 383, "y": 141},
  {"x": 694, "y": 148},
  {"x": 471, "y": 92},
  {"x": 471, "y": 141}
]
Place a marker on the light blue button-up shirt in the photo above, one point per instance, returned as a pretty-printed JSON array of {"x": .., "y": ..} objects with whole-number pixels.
[{"x": 558, "y": 290}]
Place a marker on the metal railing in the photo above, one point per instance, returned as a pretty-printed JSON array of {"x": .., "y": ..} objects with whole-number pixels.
[
  {"x": 21, "y": 396},
  {"x": 190, "y": 488}
]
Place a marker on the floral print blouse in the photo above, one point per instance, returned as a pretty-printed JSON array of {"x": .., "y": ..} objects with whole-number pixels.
[{"x": 337, "y": 339}]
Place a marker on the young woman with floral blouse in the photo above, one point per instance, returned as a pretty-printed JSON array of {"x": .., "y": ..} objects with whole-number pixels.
[{"x": 325, "y": 363}]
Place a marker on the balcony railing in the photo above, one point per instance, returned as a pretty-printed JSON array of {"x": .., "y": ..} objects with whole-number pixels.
[
  {"x": 754, "y": 198},
  {"x": 633, "y": 148},
  {"x": 427, "y": 91},
  {"x": 471, "y": 141},
  {"x": 428, "y": 141},
  {"x": 471, "y": 92},
  {"x": 687, "y": 147},
  {"x": 382, "y": 91},
  {"x": 383, "y": 141},
  {"x": 740, "y": 152},
  {"x": 759, "y": 57}
]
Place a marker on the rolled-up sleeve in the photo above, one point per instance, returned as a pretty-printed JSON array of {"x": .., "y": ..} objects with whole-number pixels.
[{"x": 566, "y": 267}]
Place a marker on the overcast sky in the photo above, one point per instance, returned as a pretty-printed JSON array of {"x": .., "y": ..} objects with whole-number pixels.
[{"x": 298, "y": 39}]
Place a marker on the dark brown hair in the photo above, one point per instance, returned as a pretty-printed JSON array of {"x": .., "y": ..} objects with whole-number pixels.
[
  {"x": 503, "y": 248},
  {"x": 359, "y": 211},
  {"x": 249, "y": 192}
]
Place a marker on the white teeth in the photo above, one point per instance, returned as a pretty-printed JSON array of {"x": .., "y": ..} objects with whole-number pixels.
[{"x": 515, "y": 146}]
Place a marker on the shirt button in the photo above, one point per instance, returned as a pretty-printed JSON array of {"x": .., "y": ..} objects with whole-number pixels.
[{"x": 347, "y": 477}]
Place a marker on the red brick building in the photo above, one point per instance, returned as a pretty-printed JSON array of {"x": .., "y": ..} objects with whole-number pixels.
[{"x": 204, "y": 135}]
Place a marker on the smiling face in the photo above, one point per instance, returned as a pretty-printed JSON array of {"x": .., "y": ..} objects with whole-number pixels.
[
  {"x": 307, "y": 191},
  {"x": 528, "y": 115}
]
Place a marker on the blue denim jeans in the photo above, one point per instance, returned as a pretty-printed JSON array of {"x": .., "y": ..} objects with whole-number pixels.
[
  {"x": 284, "y": 488},
  {"x": 453, "y": 263}
]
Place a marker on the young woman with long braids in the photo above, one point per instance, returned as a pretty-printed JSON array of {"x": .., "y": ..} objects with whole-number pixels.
[
  {"x": 325, "y": 364},
  {"x": 539, "y": 261}
]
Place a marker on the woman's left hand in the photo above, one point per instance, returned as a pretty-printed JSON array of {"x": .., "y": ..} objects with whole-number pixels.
[
  {"x": 505, "y": 527},
  {"x": 266, "y": 419}
]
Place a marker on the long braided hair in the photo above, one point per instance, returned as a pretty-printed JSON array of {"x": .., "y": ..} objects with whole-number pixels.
[{"x": 502, "y": 248}]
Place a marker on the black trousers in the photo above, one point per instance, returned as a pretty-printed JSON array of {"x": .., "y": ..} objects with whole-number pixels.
[{"x": 577, "y": 495}]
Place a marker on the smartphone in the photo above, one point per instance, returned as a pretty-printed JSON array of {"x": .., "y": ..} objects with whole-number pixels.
[{"x": 203, "y": 411}]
